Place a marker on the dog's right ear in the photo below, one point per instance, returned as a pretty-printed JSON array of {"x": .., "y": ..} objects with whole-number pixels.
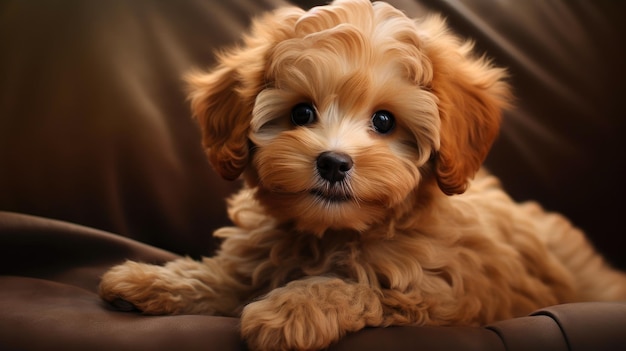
[
  {"x": 471, "y": 95},
  {"x": 222, "y": 100}
]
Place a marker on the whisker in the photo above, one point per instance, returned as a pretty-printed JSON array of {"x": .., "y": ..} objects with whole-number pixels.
[{"x": 353, "y": 195}]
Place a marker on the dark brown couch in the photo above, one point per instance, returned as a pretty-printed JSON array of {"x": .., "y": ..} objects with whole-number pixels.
[{"x": 101, "y": 162}]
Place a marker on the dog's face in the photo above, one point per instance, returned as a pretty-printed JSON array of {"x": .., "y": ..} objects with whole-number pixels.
[{"x": 339, "y": 114}]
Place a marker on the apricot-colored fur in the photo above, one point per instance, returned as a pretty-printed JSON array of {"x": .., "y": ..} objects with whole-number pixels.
[{"x": 406, "y": 238}]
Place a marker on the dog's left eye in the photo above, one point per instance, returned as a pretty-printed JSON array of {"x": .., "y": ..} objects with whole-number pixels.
[
  {"x": 302, "y": 114},
  {"x": 383, "y": 121}
]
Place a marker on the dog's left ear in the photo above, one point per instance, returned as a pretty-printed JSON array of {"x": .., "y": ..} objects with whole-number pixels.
[
  {"x": 223, "y": 99},
  {"x": 472, "y": 94}
]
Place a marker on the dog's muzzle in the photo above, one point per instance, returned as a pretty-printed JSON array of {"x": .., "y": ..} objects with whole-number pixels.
[{"x": 333, "y": 167}]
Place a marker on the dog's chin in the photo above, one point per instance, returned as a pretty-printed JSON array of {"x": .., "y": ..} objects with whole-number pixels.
[{"x": 319, "y": 210}]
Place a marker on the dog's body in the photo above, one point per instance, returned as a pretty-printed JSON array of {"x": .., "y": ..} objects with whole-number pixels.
[{"x": 354, "y": 127}]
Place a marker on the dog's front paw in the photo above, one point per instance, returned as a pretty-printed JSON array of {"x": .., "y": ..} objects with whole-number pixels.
[
  {"x": 133, "y": 285},
  {"x": 296, "y": 326},
  {"x": 308, "y": 315}
]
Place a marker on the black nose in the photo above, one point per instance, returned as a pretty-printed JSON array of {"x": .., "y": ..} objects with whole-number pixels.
[{"x": 333, "y": 166}]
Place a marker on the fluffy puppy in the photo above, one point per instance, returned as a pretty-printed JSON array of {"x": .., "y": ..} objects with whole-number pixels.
[{"x": 356, "y": 129}]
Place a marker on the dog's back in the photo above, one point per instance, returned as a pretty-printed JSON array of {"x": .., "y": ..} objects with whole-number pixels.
[{"x": 592, "y": 277}]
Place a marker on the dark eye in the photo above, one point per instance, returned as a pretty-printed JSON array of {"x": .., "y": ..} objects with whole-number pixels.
[
  {"x": 383, "y": 121},
  {"x": 302, "y": 114}
]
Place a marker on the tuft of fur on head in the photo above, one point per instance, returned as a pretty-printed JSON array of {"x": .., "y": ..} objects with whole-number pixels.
[{"x": 349, "y": 60}]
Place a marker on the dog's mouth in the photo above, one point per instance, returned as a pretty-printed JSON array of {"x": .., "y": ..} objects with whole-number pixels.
[{"x": 331, "y": 195}]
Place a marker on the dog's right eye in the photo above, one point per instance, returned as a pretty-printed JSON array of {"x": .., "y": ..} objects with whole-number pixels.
[{"x": 302, "y": 114}]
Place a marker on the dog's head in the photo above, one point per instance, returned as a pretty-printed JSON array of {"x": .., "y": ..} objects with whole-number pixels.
[{"x": 338, "y": 114}]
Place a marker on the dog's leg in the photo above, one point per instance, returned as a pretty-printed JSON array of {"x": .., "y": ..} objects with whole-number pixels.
[
  {"x": 181, "y": 286},
  {"x": 594, "y": 278},
  {"x": 309, "y": 314}
]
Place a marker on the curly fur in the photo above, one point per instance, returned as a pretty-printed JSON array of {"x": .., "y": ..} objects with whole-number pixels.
[{"x": 394, "y": 243}]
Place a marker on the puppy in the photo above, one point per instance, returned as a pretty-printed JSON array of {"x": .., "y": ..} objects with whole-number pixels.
[{"x": 356, "y": 130}]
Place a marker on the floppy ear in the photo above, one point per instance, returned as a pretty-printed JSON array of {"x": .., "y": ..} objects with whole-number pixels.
[
  {"x": 222, "y": 100},
  {"x": 471, "y": 95}
]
